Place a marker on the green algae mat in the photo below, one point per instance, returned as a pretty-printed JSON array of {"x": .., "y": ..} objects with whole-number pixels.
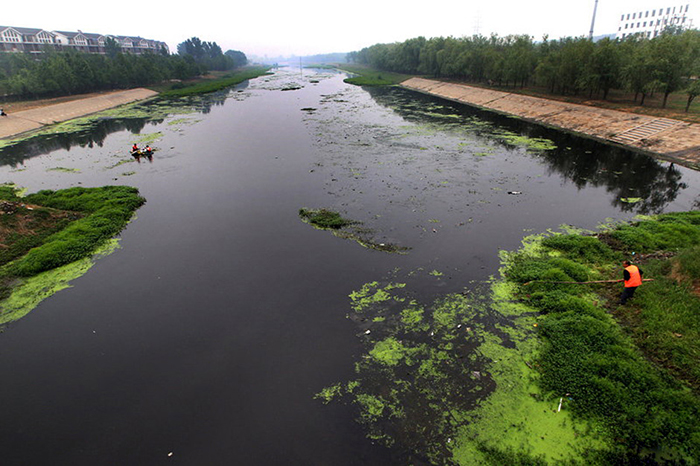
[
  {"x": 52, "y": 237},
  {"x": 527, "y": 370}
]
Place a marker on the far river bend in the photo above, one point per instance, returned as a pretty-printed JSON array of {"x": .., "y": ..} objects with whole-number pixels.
[{"x": 203, "y": 340}]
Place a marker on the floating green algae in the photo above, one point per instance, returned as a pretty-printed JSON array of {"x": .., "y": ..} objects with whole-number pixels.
[
  {"x": 149, "y": 138},
  {"x": 121, "y": 162},
  {"x": 518, "y": 420},
  {"x": 538, "y": 144},
  {"x": 420, "y": 374},
  {"x": 454, "y": 380},
  {"x": 27, "y": 295},
  {"x": 584, "y": 351},
  {"x": 153, "y": 109},
  {"x": 324, "y": 219},
  {"x": 63, "y": 169}
]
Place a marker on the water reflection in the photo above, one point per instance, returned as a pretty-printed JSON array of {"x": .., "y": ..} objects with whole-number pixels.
[
  {"x": 647, "y": 183},
  {"x": 638, "y": 183},
  {"x": 95, "y": 133}
]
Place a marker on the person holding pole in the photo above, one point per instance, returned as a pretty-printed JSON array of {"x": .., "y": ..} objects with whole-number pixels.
[{"x": 632, "y": 278}]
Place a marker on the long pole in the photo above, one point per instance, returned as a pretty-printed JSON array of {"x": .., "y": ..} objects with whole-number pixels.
[
  {"x": 584, "y": 283},
  {"x": 595, "y": 9}
]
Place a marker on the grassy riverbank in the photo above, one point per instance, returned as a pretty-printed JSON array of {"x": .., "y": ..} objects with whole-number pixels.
[
  {"x": 213, "y": 85},
  {"x": 647, "y": 410},
  {"x": 540, "y": 372},
  {"x": 370, "y": 77},
  {"x": 49, "y": 230}
]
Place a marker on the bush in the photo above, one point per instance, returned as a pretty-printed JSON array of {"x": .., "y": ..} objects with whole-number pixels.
[
  {"x": 672, "y": 231},
  {"x": 109, "y": 208},
  {"x": 689, "y": 261},
  {"x": 323, "y": 218},
  {"x": 578, "y": 247}
]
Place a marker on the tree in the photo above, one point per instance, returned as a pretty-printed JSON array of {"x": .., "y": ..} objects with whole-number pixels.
[
  {"x": 239, "y": 58},
  {"x": 112, "y": 47},
  {"x": 693, "y": 90},
  {"x": 192, "y": 47},
  {"x": 605, "y": 65},
  {"x": 207, "y": 55},
  {"x": 638, "y": 67},
  {"x": 673, "y": 55}
]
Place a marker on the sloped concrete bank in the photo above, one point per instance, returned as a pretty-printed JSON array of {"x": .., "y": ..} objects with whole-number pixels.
[
  {"x": 28, "y": 120},
  {"x": 672, "y": 140}
]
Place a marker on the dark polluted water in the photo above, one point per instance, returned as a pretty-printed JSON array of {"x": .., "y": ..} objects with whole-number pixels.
[{"x": 205, "y": 337}]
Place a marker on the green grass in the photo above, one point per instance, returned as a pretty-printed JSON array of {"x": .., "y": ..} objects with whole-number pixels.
[
  {"x": 646, "y": 406},
  {"x": 665, "y": 318},
  {"x": 50, "y": 238},
  {"x": 371, "y": 77},
  {"x": 218, "y": 84},
  {"x": 321, "y": 67},
  {"x": 105, "y": 212}
]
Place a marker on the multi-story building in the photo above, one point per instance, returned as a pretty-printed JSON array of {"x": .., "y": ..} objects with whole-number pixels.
[
  {"x": 32, "y": 40},
  {"x": 650, "y": 22}
]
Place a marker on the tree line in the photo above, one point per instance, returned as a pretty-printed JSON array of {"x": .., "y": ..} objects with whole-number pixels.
[
  {"x": 55, "y": 73},
  {"x": 573, "y": 65}
]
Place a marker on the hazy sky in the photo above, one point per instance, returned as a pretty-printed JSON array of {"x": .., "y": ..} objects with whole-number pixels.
[{"x": 304, "y": 27}]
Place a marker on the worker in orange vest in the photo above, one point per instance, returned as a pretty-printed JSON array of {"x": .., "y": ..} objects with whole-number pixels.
[{"x": 632, "y": 278}]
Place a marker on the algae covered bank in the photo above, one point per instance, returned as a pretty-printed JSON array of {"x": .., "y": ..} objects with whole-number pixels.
[{"x": 224, "y": 321}]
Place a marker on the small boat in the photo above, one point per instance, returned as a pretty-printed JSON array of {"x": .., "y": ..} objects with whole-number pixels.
[{"x": 142, "y": 153}]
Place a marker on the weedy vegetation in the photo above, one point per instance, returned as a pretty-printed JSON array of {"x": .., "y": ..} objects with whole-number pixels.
[
  {"x": 49, "y": 229},
  {"x": 183, "y": 90},
  {"x": 548, "y": 372}
]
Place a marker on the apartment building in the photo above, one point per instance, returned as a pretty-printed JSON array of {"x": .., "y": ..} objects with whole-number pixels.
[
  {"x": 33, "y": 40},
  {"x": 652, "y": 20}
]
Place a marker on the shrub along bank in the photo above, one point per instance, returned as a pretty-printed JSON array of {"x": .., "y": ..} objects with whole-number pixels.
[
  {"x": 650, "y": 409},
  {"x": 367, "y": 76},
  {"x": 540, "y": 372},
  {"x": 231, "y": 79},
  {"x": 49, "y": 229}
]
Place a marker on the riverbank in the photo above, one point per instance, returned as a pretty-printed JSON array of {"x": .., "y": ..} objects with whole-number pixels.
[
  {"x": 48, "y": 238},
  {"x": 669, "y": 139},
  {"x": 551, "y": 382},
  {"x": 23, "y": 121}
]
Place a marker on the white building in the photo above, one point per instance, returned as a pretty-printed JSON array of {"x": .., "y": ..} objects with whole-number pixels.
[
  {"x": 33, "y": 40},
  {"x": 651, "y": 20}
]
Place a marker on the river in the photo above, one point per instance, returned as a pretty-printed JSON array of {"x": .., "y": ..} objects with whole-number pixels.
[{"x": 205, "y": 337}]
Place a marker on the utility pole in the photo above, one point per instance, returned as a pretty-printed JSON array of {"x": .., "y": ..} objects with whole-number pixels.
[{"x": 595, "y": 9}]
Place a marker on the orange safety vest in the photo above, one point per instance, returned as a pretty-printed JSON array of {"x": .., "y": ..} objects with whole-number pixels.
[{"x": 635, "y": 277}]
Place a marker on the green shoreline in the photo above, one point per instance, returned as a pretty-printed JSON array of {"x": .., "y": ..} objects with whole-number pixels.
[
  {"x": 153, "y": 108},
  {"x": 68, "y": 253},
  {"x": 561, "y": 377},
  {"x": 45, "y": 260}
]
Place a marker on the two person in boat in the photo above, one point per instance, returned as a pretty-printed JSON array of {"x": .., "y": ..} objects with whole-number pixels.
[{"x": 136, "y": 152}]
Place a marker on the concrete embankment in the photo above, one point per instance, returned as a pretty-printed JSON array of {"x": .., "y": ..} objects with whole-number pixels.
[
  {"x": 28, "y": 120},
  {"x": 669, "y": 139}
]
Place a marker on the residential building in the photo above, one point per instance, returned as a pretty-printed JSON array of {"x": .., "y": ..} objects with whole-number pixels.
[
  {"x": 32, "y": 40},
  {"x": 652, "y": 20}
]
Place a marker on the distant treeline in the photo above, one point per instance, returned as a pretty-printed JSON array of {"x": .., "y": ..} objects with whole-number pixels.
[
  {"x": 64, "y": 73},
  {"x": 667, "y": 63}
]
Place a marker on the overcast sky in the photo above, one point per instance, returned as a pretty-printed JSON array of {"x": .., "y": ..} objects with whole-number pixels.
[{"x": 304, "y": 27}]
